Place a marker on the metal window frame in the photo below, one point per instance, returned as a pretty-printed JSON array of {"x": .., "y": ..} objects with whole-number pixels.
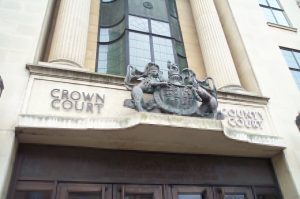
[
  {"x": 292, "y": 51},
  {"x": 278, "y": 9},
  {"x": 127, "y": 30}
]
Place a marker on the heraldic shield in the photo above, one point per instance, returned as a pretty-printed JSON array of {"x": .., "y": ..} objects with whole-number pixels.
[
  {"x": 176, "y": 99},
  {"x": 180, "y": 94}
]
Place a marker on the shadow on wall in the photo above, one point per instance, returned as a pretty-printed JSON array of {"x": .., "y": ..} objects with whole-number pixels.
[
  {"x": 298, "y": 121},
  {"x": 1, "y": 86}
]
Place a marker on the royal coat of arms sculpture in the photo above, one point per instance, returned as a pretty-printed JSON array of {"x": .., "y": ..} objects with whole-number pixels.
[{"x": 180, "y": 94}]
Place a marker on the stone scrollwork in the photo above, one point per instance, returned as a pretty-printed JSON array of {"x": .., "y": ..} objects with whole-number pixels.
[{"x": 179, "y": 94}]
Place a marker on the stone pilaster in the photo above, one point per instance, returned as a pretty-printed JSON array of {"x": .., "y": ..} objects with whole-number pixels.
[
  {"x": 71, "y": 32},
  {"x": 216, "y": 54}
]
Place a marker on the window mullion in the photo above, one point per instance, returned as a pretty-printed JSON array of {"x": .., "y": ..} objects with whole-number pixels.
[
  {"x": 151, "y": 40},
  {"x": 274, "y": 16},
  {"x": 296, "y": 60},
  {"x": 126, "y": 37}
]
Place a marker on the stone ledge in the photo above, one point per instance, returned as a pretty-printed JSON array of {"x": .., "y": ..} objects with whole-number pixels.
[
  {"x": 282, "y": 27},
  {"x": 147, "y": 131},
  {"x": 67, "y": 72}
]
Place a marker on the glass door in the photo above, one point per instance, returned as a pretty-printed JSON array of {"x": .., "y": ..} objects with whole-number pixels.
[
  {"x": 233, "y": 193},
  {"x": 191, "y": 192},
  {"x": 34, "y": 190},
  {"x": 137, "y": 192},
  {"x": 83, "y": 191}
]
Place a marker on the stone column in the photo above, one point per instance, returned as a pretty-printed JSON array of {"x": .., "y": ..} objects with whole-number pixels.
[
  {"x": 216, "y": 54},
  {"x": 71, "y": 32}
]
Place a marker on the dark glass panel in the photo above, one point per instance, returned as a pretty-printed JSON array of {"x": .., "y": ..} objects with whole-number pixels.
[
  {"x": 172, "y": 8},
  {"x": 234, "y": 196},
  {"x": 33, "y": 195},
  {"x": 84, "y": 195},
  {"x": 113, "y": 33},
  {"x": 139, "y": 50},
  {"x": 182, "y": 63},
  {"x": 175, "y": 28},
  {"x": 180, "y": 49},
  {"x": 111, "y": 58},
  {"x": 138, "y": 196},
  {"x": 158, "y": 11},
  {"x": 111, "y": 13},
  {"x": 266, "y": 196},
  {"x": 189, "y": 196},
  {"x": 160, "y": 28},
  {"x": 138, "y": 23}
]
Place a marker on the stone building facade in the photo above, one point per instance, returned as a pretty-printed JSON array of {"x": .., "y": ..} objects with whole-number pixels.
[{"x": 64, "y": 132}]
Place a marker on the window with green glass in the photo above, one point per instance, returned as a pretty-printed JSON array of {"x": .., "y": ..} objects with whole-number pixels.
[{"x": 138, "y": 32}]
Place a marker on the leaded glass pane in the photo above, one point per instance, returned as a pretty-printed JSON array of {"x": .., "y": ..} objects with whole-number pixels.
[
  {"x": 290, "y": 59},
  {"x": 279, "y": 15},
  {"x": 296, "y": 75},
  {"x": 269, "y": 15},
  {"x": 138, "y": 23},
  {"x": 111, "y": 34},
  {"x": 274, "y": 4},
  {"x": 111, "y": 58},
  {"x": 175, "y": 28},
  {"x": 163, "y": 52},
  {"x": 139, "y": 50},
  {"x": 160, "y": 28},
  {"x": 115, "y": 7},
  {"x": 158, "y": 10}
]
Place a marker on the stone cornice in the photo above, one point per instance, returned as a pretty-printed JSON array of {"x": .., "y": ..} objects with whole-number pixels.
[{"x": 67, "y": 72}]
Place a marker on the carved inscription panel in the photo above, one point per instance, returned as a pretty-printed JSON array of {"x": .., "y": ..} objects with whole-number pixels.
[
  {"x": 75, "y": 99},
  {"x": 246, "y": 117}
]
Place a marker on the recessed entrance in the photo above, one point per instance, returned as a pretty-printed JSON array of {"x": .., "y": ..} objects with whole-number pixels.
[
  {"x": 44, "y": 172},
  {"x": 45, "y": 190}
]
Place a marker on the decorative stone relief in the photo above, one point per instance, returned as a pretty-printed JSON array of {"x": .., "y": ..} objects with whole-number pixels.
[{"x": 180, "y": 94}]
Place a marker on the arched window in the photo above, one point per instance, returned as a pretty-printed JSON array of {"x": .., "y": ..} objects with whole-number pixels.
[{"x": 136, "y": 32}]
